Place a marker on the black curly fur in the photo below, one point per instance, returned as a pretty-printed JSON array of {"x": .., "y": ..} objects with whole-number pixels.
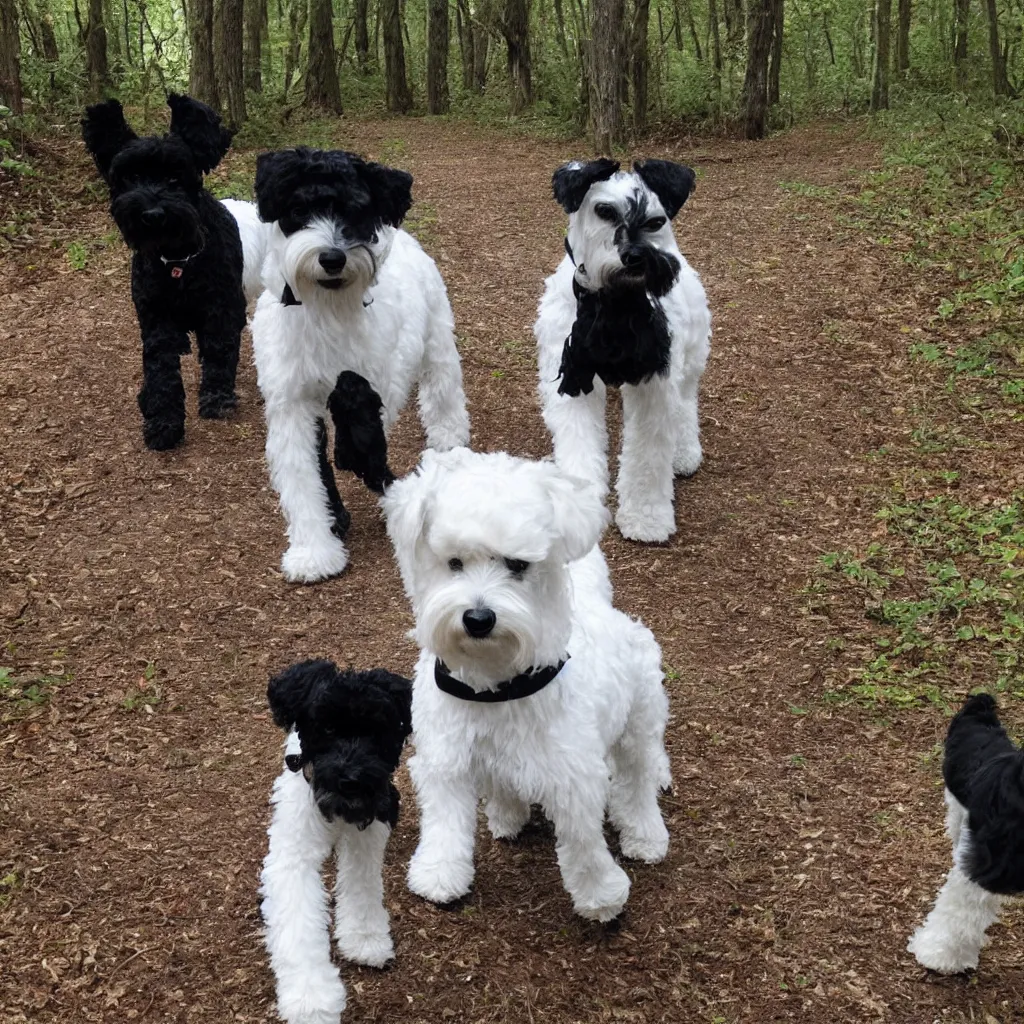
[
  {"x": 359, "y": 442},
  {"x": 352, "y": 727},
  {"x": 984, "y": 770},
  {"x": 571, "y": 182},
  {"x": 341, "y": 515},
  {"x": 672, "y": 183},
  {"x": 162, "y": 210}
]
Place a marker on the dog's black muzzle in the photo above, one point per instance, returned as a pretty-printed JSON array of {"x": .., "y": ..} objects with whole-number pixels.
[
  {"x": 647, "y": 267},
  {"x": 352, "y": 784},
  {"x": 152, "y": 221}
]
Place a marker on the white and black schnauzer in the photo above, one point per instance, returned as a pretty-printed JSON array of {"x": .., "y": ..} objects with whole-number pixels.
[
  {"x": 984, "y": 774},
  {"x": 625, "y": 307},
  {"x": 530, "y": 687},
  {"x": 347, "y": 292},
  {"x": 346, "y": 731},
  {"x": 186, "y": 261}
]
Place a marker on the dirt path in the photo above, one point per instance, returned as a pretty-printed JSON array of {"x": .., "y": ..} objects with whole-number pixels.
[{"x": 133, "y": 801}]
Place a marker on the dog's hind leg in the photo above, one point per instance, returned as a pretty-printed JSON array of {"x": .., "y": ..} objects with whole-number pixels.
[
  {"x": 361, "y": 926},
  {"x": 441, "y": 398},
  {"x": 162, "y": 396},
  {"x": 650, "y": 413},
  {"x": 640, "y": 765},
  {"x": 219, "y": 341},
  {"x": 295, "y": 908},
  {"x": 294, "y": 444},
  {"x": 688, "y": 454}
]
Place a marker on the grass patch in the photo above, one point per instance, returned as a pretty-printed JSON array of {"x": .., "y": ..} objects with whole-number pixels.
[{"x": 23, "y": 693}]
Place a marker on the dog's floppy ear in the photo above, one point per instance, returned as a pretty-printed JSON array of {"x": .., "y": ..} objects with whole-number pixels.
[
  {"x": 399, "y": 689},
  {"x": 106, "y": 133},
  {"x": 578, "y": 511},
  {"x": 572, "y": 181},
  {"x": 200, "y": 128},
  {"x": 288, "y": 691},
  {"x": 671, "y": 183},
  {"x": 391, "y": 190},
  {"x": 276, "y": 175}
]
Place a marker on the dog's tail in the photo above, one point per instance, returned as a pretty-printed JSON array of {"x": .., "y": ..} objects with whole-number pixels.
[{"x": 360, "y": 445}]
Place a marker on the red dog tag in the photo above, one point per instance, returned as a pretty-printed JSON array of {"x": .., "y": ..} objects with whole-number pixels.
[{"x": 175, "y": 272}]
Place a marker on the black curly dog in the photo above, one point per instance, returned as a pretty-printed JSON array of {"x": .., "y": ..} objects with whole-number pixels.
[{"x": 186, "y": 260}]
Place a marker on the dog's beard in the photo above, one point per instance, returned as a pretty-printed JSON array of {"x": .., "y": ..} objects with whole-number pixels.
[
  {"x": 298, "y": 258},
  {"x": 509, "y": 649},
  {"x": 180, "y": 233},
  {"x": 359, "y": 794}
]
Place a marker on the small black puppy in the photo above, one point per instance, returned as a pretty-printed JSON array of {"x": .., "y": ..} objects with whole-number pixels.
[
  {"x": 187, "y": 256},
  {"x": 984, "y": 774},
  {"x": 345, "y": 736}
]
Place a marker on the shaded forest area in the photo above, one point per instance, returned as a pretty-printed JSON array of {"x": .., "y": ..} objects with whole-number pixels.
[{"x": 606, "y": 67}]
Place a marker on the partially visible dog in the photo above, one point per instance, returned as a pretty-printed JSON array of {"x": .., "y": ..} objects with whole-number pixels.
[
  {"x": 625, "y": 307},
  {"x": 186, "y": 261},
  {"x": 345, "y": 736},
  {"x": 984, "y": 774},
  {"x": 346, "y": 290},
  {"x": 530, "y": 686}
]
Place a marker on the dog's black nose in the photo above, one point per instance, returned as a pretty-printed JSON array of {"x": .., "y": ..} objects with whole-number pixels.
[
  {"x": 153, "y": 216},
  {"x": 479, "y": 622},
  {"x": 333, "y": 261},
  {"x": 633, "y": 257}
]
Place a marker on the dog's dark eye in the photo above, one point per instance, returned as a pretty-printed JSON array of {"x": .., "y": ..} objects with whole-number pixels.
[
  {"x": 655, "y": 224},
  {"x": 606, "y": 212},
  {"x": 455, "y": 564},
  {"x": 516, "y": 566}
]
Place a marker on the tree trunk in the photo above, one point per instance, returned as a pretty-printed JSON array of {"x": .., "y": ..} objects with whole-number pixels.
[
  {"x": 515, "y": 27},
  {"x": 481, "y": 43},
  {"x": 113, "y": 36},
  {"x": 234, "y": 85},
  {"x": 716, "y": 41},
  {"x": 396, "y": 86},
  {"x": 563, "y": 43},
  {"x": 10, "y": 57},
  {"x": 1000, "y": 83},
  {"x": 880, "y": 66},
  {"x": 961, "y": 15},
  {"x": 903, "y": 37},
  {"x": 49, "y": 39},
  {"x": 734, "y": 21},
  {"x": 202, "y": 82},
  {"x": 694, "y": 38},
  {"x": 755, "y": 85},
  {"x": 256, "y": 22},
  {"x": 322, "y": 89},
  {"x": 464, "y": 27},
  {"x": 640, "y": 66},
  {"x": 607, "y": 58},
  {"x": 219, "y": 71},
  {"x": 96, "y": 52},
  {"x": 362, "y": 35},
  {"x": 437, "y": 57},
  {"x": 775, "y": 63}
]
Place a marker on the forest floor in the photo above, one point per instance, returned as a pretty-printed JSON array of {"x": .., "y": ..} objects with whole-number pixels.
[{"x": 142, "y": 612}]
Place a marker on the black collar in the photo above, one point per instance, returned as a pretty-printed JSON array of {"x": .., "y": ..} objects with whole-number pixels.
[{"x": 523, "y": 685}]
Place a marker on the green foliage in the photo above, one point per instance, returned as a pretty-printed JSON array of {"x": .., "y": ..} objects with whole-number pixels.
[
  {"x": 21, "y": 694},
  {"x": 77, "y": 255}
]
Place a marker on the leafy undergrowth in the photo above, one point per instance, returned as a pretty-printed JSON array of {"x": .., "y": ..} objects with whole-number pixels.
[{"x": 23, "y": 693}]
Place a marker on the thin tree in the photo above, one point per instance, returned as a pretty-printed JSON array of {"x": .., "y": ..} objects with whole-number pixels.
[
  {"x": 640, "y": 61},
  {"x": 464, "y": 28},
  {"x": 362, "y": 35},
  {"x": 775, "y": 57},
  {"x": 515, "y": 27},
  {"x": 202, "y": 81},
  {"x": 483, "y": 17},
  {"x": 398, "y": 96},
  {"x": 880, "y": 66},
  {"x": 233, "y": 62},
  {"x": 716, "y": 43},
  {"x": 437, "y": 57},
  {"x": 297, "y": 15},
  {"x": 607, "y": 60},
  {"x": 903, "y": 36},
  {"x": 322, "y": 89},
  {"x": 10, "y": 57},
  {"x": 760, "y": 21},
  {"x": 961, "y": 17},
  {"x": 96, "y": 51},
  {"x": 256, "y": 24},
  {"x": 1000, "y": 83}
]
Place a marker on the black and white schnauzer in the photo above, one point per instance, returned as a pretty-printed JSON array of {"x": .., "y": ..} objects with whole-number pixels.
[
  {"x": 186, "y": 261},
  {"x": 346, "y": 731},
  {"x": 625, "y": 307},
  {"x": 984, "y": 774},
  {"x": 348, "y": 296}
]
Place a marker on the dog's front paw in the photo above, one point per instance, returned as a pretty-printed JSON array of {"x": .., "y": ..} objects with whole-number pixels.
[
  {"x": 649, "y": 846},
  {"x": 938, "y": 951},
  {"x": 217, "y": 405},
  {"x": 317, "y": 1001},
  {"x": 604, "y": 899},
  {"x": 373, "y": 949},
  {"x": 687, "y": 460},
  {"x": 162, "y": 435},
  {"x": 649, "y": 523},
  {"x": 440, "y": 881},
  {"x": 308, "y": 564}
]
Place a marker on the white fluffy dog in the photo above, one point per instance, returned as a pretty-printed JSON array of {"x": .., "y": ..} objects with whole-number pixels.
[
  {"x": 346, "y": 732},
  {"x": 346, "y": 290},
  {"x": 530, "y": 686},
  {"x": 255, "y": 237},
  {"x": 626, "y": 307}
]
